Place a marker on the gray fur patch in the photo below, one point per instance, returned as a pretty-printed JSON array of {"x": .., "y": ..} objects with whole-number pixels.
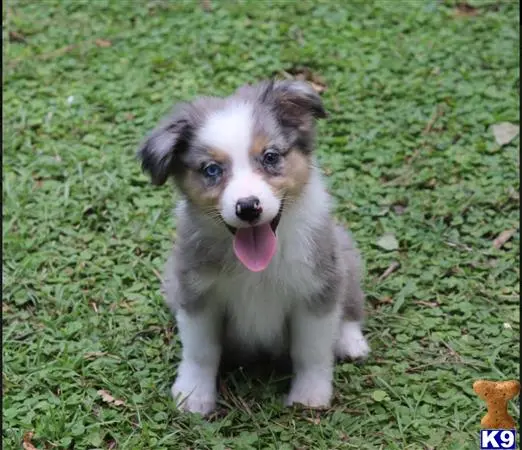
[{"x": 352, "y": 268}]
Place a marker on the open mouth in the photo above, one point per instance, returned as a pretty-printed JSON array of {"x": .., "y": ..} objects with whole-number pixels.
[
  {"x": 255, "y": 246},
  {"x": 273, "y": 224}
]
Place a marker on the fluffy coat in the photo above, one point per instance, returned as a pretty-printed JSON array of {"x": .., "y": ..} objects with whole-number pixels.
[{"x": 308, "y": 301}]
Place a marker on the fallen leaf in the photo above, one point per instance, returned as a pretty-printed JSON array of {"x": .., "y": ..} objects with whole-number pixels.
[
  {"x": 388, "y": 242},
  {"x": 108, "y": 398},
  {"x": 431, "y": 183},
  {"x": 103, "y": 43},
  {"x": 505, "y": 132},
  {"x": 319, "y": 88},
  {"x": 303, "y": 73},
  {"x": 503, "y": 237},
  {"x": 27, "y": 444},
  {"x": 465, "y": 10},
  {"x": 15, "y": 36}
]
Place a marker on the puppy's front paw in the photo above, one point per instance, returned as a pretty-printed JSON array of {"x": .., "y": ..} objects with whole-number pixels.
[
  {"x": 200, "y": 398},
  {"x": 312, "y": 390}
]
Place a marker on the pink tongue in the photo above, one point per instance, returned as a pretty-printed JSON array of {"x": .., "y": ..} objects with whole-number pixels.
[{"x": 255, "y": 246}]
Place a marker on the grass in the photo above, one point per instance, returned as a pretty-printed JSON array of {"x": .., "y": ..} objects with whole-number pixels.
[{"x": 413, "y": 88}]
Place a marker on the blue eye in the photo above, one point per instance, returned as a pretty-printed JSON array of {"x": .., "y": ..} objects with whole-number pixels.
[
  {"x": 213, "y": 170},
  {"x": 270, "y": 158}
]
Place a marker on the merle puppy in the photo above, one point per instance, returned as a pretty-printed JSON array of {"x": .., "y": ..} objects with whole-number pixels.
[{"x": 258, "y": 263}]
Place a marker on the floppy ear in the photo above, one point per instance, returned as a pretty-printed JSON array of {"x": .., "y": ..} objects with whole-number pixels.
[
  {"x": 296, "y": 105},
  {"x": 158, "y": 153},
  {"x": 296, "y": 102}
]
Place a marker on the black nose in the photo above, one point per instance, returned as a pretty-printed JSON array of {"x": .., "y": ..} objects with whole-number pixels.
[{"x": 248, "y": 208}]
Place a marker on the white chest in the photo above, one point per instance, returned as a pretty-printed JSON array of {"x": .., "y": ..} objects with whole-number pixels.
[{"x": 257, "y": 305}]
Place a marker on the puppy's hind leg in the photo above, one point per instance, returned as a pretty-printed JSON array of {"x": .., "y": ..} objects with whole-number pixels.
[{"x": 351, "y": 342}]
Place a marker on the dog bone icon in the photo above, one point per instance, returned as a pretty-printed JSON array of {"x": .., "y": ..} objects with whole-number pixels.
[{"x": 496, "y": 394}]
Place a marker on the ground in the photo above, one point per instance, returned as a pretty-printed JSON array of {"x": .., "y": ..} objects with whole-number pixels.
[{"x": 413, "y": 90}]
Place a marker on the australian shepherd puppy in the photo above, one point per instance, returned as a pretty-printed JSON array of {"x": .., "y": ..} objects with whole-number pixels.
[{"x": 258, "y": 263}]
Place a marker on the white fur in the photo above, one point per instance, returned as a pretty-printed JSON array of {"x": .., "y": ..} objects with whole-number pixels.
[
  {"x": 246, "y": 183},
  {"x": 259, "y": 302},
  {"x": 312, "y": 340},
  {"x": 351, "y": 342},
  {"x": 230, "y": 131},
  {"x": 195, "y": 386}
]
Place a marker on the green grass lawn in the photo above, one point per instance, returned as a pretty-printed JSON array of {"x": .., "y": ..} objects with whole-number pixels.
[{"x": 413, "y": 88}]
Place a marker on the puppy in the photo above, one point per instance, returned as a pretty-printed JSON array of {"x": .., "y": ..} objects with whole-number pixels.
[{"x": 258, "y": 263}]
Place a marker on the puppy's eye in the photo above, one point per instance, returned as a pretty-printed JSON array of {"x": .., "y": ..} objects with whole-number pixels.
[
  {"x": 271, "y": 158},
  {"x": 212, "y": 170}
]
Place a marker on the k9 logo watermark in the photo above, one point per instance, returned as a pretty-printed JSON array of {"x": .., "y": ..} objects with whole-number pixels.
[{"x": 497, "y": 439}]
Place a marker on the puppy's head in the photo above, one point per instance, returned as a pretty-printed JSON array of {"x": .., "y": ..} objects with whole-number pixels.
[{"x": 240, "y": 158}]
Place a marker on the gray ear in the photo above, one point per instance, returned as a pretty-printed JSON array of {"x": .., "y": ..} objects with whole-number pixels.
[
  {"x": 159, "y": 150},
  {"x": 296, "y": 102}
]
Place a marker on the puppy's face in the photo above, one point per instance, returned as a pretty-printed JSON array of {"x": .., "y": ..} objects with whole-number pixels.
[{"x": 239, "y": 159}]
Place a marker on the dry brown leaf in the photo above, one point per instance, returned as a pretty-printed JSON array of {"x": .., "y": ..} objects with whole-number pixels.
[
  {"x": 503, "y": 237},
  {"x": 104, "y": 43},
  {"x": 319, "y": 88},
  {"x": 27, "y": 444},
  {"x": 108, "y": 398},
  {"x": 465, "y": 10},
  {"x": 304, "y": 73},
  {"x": 15, "y": 36}
]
